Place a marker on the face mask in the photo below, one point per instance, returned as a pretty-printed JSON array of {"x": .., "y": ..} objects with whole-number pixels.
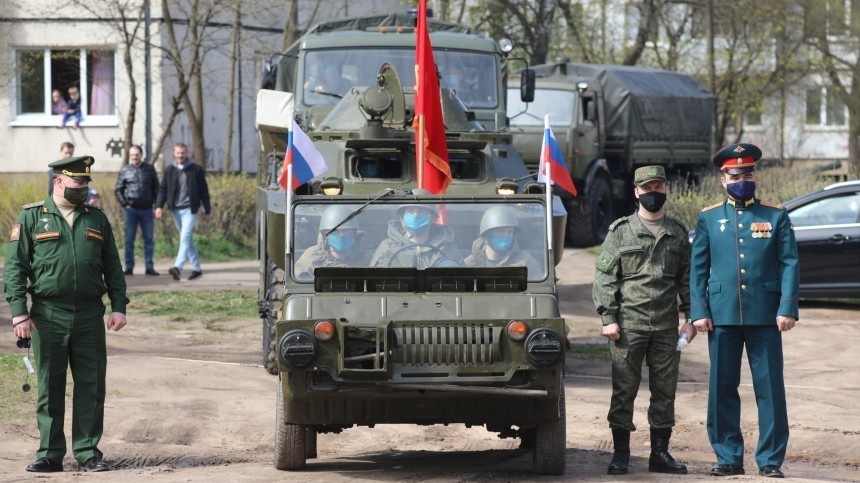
[
  {"x": 76, "y": 196},
  {"x": 369, "y": 170},
  {"x": 652, "y": 201},
  {"x": 453, "y": 81},
  {"x": 500, "y": 243},
  {"x": 416, "y": 223},
  {"x": 741, "y": 190},
  {"x": 341, "y": 243}
]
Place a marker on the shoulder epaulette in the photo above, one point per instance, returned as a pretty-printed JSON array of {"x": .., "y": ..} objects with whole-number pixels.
[
  {"x": 715, "y": 205},
  {"x": 771, "y": 205},
  {"x": 617, "y": 222},
  {"x": 93, "y": 206},
  {"x": 33, "y": 205}
]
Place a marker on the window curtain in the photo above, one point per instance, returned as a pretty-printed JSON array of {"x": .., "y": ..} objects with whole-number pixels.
[{"x": 102, "y": 83}]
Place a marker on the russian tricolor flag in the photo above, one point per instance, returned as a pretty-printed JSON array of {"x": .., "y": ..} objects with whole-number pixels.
[
  {"x": 551, "y": 158},
  {"x": 307, "y": 161}
]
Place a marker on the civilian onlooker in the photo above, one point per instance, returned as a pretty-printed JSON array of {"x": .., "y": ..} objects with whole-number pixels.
[
  {"x": 136, "y": 191},
  {"x": 73, "y": 107}
]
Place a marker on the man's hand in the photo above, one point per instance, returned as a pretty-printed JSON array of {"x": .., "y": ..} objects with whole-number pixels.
[
  {"x": 116, "y": 321},
  {"x": 158, "y": 213},
  {"x": 612, "y": 331},
  {"x": 22, "y": 326},
  {"x": 704, "y": 325},
  {"x": 689, "y": 330},
  {"x": 785, "y": 323}
]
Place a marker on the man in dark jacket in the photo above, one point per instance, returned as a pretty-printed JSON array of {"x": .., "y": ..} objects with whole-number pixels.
[
  {"x": 184, "y": 189},
  {"x": 136, "y": 191}
]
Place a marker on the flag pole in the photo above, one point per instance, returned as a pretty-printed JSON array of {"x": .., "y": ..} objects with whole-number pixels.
[
  {"x": 288, "y": 220},
  {"x": 547, "y": 181},
  {"x": 419, "y": 151}
]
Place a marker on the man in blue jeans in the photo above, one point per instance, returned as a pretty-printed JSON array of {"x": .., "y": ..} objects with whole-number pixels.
[
  {"x": 136, "y": 191},
  {"x": 184, "y": 189}
]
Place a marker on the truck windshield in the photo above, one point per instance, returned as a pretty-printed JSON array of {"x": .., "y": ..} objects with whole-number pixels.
[
  {"x": 329, "y": 74},
  {"x": 559, "y": 104},
  {"x": 421, "y": 235}
]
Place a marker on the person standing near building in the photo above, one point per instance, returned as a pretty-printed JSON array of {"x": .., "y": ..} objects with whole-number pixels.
[
  {"x": 643, "y": 269},
  {"x": 67, "y": 150},
  {"x": 136, "y": 190},
  {"x": 744, "y": 285},
  {"x": 183, "y": 187},
  {"x": 62, "y": 252}
]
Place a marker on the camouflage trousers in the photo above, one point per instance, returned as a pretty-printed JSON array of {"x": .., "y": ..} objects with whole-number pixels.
[{"x": 657, "y": 349}]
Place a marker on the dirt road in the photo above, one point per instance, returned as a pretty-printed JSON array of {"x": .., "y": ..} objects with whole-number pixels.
[{"x": 187, "y": 404}]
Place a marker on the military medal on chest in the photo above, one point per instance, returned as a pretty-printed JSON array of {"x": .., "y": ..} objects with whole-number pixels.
[
  {"x": 762, "y": 229},
  {"x": 723, "y": 224}
]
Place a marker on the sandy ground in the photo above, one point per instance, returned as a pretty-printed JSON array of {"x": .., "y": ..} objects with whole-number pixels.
[{"x": 187, "y": 404}]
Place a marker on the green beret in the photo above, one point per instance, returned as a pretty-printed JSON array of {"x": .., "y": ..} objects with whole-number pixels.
[
  {"x": 77, "y": 167},
  {"x": 648, "y": 173}
]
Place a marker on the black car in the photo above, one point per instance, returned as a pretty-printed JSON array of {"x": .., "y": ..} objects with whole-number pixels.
[{"x": 827, "y": 227}]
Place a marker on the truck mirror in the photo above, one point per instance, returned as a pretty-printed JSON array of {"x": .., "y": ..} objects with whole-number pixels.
[{"x": 527, "y": 85}]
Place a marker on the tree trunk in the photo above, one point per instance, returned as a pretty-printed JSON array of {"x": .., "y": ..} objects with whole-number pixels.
[{"x": 234, "y": 56}]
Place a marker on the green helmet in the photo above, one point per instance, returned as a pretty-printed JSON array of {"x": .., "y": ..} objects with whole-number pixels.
[
  {"x": 498, "y": 216},
  {"x": 334, "y": 215},
  {"x": 418, "y": 192}
]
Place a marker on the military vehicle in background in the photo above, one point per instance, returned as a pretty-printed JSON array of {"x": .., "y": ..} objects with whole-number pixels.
[
  {"x": 610, "y": 120},
  {"x": 386, "y": 341}
]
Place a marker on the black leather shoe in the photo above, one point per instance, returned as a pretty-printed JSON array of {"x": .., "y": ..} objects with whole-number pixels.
[
  {"x": 95, "y": 464},
  {"x": 727, "y": 470},
  {"x": 44, "y": 465},
  {"x": 152, "y": 272},
  {"x": 195, "y": 274},
  {"x": 174, "y": 272},
  {"x": 128, "y": 271},
  {"x": 771, "y": 471}
]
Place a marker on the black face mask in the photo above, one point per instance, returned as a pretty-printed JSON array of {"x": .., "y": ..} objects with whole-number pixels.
[{"x": 652, "y": 201}]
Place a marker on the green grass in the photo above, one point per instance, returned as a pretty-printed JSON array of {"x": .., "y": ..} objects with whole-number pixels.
[
  {"x": 187, "y": 305},
  {"x": 592, "y": 352},
  {"x": 14, "y": 403}
]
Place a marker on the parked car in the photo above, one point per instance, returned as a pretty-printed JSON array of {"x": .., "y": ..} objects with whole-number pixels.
[{"x": 827, "y": 227}]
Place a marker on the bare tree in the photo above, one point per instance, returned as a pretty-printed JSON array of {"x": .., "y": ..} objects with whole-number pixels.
[
  {"x": 292, "y": 30},
  {"x": 529, "y": 23},
  {"x": 231, "y": 96}
]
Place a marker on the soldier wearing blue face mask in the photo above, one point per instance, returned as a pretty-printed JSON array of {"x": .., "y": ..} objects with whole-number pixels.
[
  {"x": 337, "y": 246},
  {"x": 414, "y": 240},
  {"x": 496, "y": 245}
]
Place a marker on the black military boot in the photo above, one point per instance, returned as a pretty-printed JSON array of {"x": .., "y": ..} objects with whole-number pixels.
[
  {"x": 661, "y": 461},
  {"x": 621, "y": 456}
]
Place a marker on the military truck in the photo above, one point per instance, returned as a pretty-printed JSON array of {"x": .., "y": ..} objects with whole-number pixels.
[
  {"x": 609, "y": 120},
  {"x": 380, "y": 341}
]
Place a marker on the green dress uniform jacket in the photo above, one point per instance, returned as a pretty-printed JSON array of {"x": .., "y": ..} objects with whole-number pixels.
[
  {"x": 638, "y": 280},
  {"x": 66, "y": 271},
  {"x": 744, "y": 274}
]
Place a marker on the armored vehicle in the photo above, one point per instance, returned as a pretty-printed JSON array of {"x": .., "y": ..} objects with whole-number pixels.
[
  {"x": 610, "y": 120},
  {"x": 413, "y": 323}
]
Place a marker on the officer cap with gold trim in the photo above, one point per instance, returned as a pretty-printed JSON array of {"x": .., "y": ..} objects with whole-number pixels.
[
  {"x": 77, "y": 167},
  {"x": 737, "y": 158},
  {"x": 648, "y": 173}
]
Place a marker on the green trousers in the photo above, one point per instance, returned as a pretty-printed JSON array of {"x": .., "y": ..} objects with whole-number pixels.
[
  {"x": 657, "y": 349},
  {"x": 69, "y": 340}
]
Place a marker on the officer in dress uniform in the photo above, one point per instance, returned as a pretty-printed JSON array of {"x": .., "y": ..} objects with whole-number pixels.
[
  {"x": 62, "y": 252},
  {"x": 744, "y": 290}
]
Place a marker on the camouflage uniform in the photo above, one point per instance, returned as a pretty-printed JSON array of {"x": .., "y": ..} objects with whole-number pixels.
[
  {"x": 637, "y": 282},
  {"x": 319, "y": 255},
  {"x": 422, "y": 256},
  {"x": 514, "y": 258}
]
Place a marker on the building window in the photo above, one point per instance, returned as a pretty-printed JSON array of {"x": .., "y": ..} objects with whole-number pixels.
[
  {"x": 825, "y": 108},
  {"x": 44, "y": 77}
]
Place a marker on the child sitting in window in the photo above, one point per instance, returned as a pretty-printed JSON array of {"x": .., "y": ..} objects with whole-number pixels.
[
  {"x": 58, "y": 104},
  {"x": 73, "y": 109}
]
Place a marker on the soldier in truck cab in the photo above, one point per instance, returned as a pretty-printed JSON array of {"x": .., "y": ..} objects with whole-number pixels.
[
  {"x": 496, "y": 246},
  {"x": 339, "y": 244}
]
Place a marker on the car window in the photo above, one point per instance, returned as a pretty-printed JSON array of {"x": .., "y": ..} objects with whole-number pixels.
[{"x": 841, "y": 209}]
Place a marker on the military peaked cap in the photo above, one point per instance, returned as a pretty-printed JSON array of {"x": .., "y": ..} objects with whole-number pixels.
[
  {"x": 77, "y": 167},
  {"x": 737, "y": 158}
]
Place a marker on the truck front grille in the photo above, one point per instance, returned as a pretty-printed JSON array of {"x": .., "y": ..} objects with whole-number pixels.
[{"x": 455, "y": 344}]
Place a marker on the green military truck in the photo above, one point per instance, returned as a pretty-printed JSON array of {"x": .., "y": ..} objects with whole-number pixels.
[
  {"x": 610, "y": 120},
  {"x": 383, "y": 339}
]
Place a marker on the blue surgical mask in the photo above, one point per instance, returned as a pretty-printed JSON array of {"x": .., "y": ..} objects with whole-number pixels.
[
  {"x": 341, "y": 242},
  {"x": 368, "y": 170},
  {"x": 500, "y": 243},
  {"x": 741, "y": 190},
  {"x": 416, "y": 223},
  {"x": 453, "y": 81}
]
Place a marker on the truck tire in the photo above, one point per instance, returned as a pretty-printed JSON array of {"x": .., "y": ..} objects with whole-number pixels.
[
  {"x": 551, "y": 443},
  {"x": 290, "y": 440},
  {"x": 587, "y": 225},
  {"x": 270, "y": 361}
]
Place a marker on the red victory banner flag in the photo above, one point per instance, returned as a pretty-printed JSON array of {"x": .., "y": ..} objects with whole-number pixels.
[{"x": 431, "y": 146}]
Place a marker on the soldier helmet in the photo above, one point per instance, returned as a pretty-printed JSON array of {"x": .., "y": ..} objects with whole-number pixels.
[
  {"x": 417, "y": 192},
  {"x": 498, "y": 216},
  {"x": 333, "y": 215}
]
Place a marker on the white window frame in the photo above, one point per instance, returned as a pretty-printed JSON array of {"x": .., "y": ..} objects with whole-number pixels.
[
  {"x": 46, "y": 119},
  {"x": 825, "y": 93}
]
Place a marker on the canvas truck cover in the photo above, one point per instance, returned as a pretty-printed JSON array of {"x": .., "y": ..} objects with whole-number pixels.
[{"x": 643, "y": 102}]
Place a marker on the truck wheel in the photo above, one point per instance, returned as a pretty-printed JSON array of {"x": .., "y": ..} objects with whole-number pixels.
[
  {"x": 290, "y": 440},
  {"x": 551, "y": 443},
  {"x": 270, "y": 361},
  {"x": 588, "y": 225}
]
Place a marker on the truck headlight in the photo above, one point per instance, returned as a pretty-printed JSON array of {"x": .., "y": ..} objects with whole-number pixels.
[
  {"x": 297, "y": 349},
  {"x": 544, "y": 347}
]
